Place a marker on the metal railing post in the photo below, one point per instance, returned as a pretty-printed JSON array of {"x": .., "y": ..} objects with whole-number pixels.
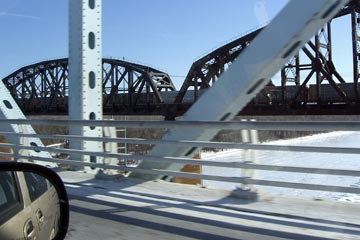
[{"x": 249, "y": 156}]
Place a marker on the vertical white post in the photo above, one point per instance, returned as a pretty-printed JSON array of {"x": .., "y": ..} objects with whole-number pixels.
[
  {"x": 85, "y": 73},
  {"x": 110, "y": 147},
  {"x": 249, "y": 156},
  {"x": 245, "y": 138}
]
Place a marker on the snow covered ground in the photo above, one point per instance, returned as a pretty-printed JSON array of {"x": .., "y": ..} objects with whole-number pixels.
[{"x": 282, "y": 158}]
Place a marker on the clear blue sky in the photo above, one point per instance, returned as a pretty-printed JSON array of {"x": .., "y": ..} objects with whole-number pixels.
[{"x": 167, "y": 34}]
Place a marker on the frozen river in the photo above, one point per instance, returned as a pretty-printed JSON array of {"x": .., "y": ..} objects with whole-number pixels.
[{"x": 282, "y": 158}]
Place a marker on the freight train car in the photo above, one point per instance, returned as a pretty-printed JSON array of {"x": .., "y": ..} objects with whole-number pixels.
[{"x": 328, "y": 94}]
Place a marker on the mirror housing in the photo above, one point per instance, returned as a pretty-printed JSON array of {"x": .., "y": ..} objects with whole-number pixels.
[{"x": 56, "y": 182}]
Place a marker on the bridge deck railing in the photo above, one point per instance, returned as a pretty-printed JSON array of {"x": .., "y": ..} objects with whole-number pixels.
[{"x": 19, "y": 154}]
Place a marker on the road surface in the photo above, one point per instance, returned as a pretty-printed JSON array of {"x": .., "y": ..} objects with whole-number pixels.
[{"x": 130, "y": 209}]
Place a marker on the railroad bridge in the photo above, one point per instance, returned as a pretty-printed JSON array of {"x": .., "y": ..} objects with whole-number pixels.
[{"x": 310, "y": 82}]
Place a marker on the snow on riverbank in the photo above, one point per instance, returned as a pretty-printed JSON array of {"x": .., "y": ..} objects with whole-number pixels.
[{"x": 298, "y": 159}]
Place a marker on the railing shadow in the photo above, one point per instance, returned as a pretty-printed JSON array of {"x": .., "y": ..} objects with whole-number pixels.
[{"x": 197, "y": 214}]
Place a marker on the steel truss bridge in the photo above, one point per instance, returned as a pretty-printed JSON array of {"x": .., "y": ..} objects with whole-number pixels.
[{"x": 130, "y": 88}]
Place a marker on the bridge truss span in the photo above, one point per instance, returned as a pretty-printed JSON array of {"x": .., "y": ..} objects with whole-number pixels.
[
  {"x": 206, "y": 70},
  {"x": 309, "y": 83},
  {"x": 43, "y": 88}
]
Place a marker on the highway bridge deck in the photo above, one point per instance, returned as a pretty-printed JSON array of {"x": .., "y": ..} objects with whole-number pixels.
[{"x": 131, "y": 209}]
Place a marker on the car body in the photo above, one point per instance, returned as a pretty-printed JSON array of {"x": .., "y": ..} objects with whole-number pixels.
[{"x": 29, "y": 203}]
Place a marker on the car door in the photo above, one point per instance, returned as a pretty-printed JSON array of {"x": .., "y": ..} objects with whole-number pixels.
[
  {"x": 12, "y": 208},
  {"x": 28, "y": 200},
  {"x": 44, "y": 204}
]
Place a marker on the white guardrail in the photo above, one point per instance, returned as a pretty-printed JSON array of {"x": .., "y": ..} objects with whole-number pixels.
[{"x": 250, "y": 125}]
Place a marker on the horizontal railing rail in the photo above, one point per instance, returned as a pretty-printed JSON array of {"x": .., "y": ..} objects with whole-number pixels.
[
  {"x": 304, "y": 126},
  {"x": 228, "y": 125},
  {"x": 202, "y": 144},
  {"x": 203, "y": 162}
]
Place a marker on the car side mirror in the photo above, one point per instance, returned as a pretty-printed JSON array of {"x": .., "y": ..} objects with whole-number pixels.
[{"x": 33, "y": 202}]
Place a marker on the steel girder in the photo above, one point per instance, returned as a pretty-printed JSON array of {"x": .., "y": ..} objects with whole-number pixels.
[
  {"x": 254, "y": 67},
  {"x": 320, "y": 65},
  {"x": 355, "y": 24},
  {"x": 316, "y": 62},
  {"x": 349, "y": 8},
  {"x": 134, "y": 88},
  {"x": 129, "y": 87},
  {"x": 318, "y": 53},
  {"x": 39, "y": 82},
  {"x": 205, "y": 71},
  {"x": 43, "y": 87}
]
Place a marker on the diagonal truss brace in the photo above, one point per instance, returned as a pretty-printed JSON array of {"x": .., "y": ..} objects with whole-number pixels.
[
  {"x": 248, "y": 74},
  {"x": 10, "y": 110}
]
